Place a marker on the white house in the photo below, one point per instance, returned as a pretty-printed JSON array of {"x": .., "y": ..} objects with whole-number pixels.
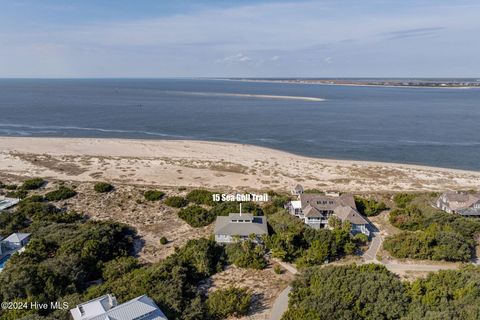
[
  {"x": 462, "y": 203},
  {"x": 107, "y": 308},
  {"x": 239, "y": 226}
]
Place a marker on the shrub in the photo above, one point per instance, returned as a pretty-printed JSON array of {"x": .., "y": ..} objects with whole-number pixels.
[
  {"x": 403, "y": 199},
  {"x": 118, "y": 267},
  {"x": 360, "y": 238},
  {"x": 61, "y": 193},
  {"x": 2, "y": 185},
  {"x": 153, "y": 195},
  {"x": 10, "y": 186},
  {"x": 369, "y": 207},
  {"x": 34, "y": 198},
  {"x": 196, "y": 216},
  {"x": 20, "y": 194},
  {"x": 200, "y": 196},
  {"x": 102, "y": 187},
  {"x": 176, "y": 202},
  {"x": 231, "y": 301},
  {"x": 163, "y": 240},
  {"x": 32, "y": 184},
  {"x": 277, "y": 269},
  {"x": 246, "y": 254}
]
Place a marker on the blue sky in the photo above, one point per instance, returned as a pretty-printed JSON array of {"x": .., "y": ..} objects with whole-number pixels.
[{"x": 327, "y": 38}]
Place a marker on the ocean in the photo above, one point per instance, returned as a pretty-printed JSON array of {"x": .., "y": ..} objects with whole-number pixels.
[{"x": 429, "y": 126}]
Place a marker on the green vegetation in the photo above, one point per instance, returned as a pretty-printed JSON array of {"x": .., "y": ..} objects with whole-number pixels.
[
  {"x": 277, "y": 269},
  {"x": 430, "y": 233},
  {"x": 231, "y": 301},
  {"x": 372, "y": 292},
  {"x": 369, "y": 207},
  {"x": 61, "y": 259},
  {"x": 163, "y": 240},
  {"x": 196, "y": 216},
  {"x": 246, "y": 254},
  {"x": 10, "y": 187},
  {"x": 176, "y": 202},
  {"x": 347, "y": 292},
  {"x": 200, "y": 196},
  {"x": 62, "y": 193},
  {"x": 293, "y": 241},
  {"x": 153, "y": 195},
  {"x": 118, "y": 267},
  {"x": 172, "y": 283},
  {"x": 32, "y": 184},
  {"x": 103, "y": 187},
  {"x": 19, "y": 194},
  {"x": 403, "y": 199}
]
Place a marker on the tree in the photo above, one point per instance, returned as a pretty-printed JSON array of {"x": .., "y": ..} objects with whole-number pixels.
[
  {"x": 196, "y": 216},
  {"x": 32, "y": 184},
  {"x": 246, "y": 254},
  {"x": 200, "y": 196},
  {"x": 231, "y": 301}
]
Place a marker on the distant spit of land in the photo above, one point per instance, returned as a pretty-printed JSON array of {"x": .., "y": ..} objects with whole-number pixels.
[
  {"x": 216, "y": 165},
  {"x": 423, "y": 83}
]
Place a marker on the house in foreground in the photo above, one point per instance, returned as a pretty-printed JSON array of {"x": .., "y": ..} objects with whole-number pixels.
[
  {"x": 107, "y": 308},
  {"x": 240, "y": 226},
  {"x": 316, "y": 209},
  {"x": 462, "y": 203}
]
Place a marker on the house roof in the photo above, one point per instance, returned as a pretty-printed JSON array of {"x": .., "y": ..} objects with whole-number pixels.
[
  {"x": 469, "y": 212},
  {"x": 346, "y": 213},
  {"x": 257, "y": 225},
  {"x": 311, "y": 212},
  {"x": 105, "y": 308},
  {"x": 323, "y": 202},
  {"x": 17, "y": 237},
  {"x": 459, "y": 200}
]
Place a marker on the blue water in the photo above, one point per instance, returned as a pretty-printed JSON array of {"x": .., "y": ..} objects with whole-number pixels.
[
  {"x": 439, "y": 127},
  {"x": 3, "y": 261}
]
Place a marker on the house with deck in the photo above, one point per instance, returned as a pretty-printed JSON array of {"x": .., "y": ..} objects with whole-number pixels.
[
  {"x": 316, "y": 209},
  {"x": 240, "y": 226},
  {"x": 107, "y": 308},
  {"x": 15, "y": 242},
  {"x": 462, "y": 203}
]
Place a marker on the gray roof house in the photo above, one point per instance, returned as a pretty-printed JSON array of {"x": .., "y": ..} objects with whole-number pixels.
[
  {"x": 462, "y": 203},
  {"x": 13, "y": 243},
  {"x": 6, "y": 203},
  {"x": 107, "y": 308},
  {"x": 316, "y": 209},
  {"x": 239, "y": 226}
]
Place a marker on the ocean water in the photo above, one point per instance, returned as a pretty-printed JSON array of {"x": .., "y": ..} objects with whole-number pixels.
[{"x": 438, "y": 127}]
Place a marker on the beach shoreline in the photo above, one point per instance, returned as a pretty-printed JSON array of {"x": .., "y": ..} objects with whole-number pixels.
[{"x": 186, "y": 163}]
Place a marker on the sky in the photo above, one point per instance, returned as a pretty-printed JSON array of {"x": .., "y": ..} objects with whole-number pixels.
[{"x": 218, "y": 38}]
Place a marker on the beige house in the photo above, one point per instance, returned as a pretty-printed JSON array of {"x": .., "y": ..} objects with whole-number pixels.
[
  {"x": 462, "y": 203},
  {"x": 316, "y": 209},
  {"x": 240, "y": 226}
]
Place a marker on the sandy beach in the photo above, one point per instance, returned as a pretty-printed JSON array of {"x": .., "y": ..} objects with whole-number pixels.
[{"x": 173, "y": 163}]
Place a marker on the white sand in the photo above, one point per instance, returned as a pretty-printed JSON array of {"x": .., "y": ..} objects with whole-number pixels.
[{"x": 213, "y": 165}]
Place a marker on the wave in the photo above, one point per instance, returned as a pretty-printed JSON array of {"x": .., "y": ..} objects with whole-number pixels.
[
  {"x": 248, "y": 95},
  {"x": 48, "y": 130}
]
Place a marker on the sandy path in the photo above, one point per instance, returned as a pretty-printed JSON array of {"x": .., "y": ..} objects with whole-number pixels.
[{"x": 214, "y": 165}]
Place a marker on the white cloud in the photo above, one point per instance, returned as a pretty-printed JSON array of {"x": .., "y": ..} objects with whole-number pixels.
[{"x": 236, "y": 58}]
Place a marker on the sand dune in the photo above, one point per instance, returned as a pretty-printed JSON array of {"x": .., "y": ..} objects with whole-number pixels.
[{"x": 213, "y": 165}]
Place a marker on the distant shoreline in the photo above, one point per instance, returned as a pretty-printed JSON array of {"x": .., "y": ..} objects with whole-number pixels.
[{"x": 386, "y": 84}]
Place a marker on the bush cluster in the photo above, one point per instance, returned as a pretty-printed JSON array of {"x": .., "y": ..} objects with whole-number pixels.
[
  {"x": 369, "y": 207},
  {"x": 200, "y": 196},
  {"x": 32, "y": 184},
  {"x": 102, "y": 187},
  {"x": 62, "y": 193},
  {"x": 176, "y": 202},
  {"x": 196, "y": 216},
  {"x": 153, "y": 195}
]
